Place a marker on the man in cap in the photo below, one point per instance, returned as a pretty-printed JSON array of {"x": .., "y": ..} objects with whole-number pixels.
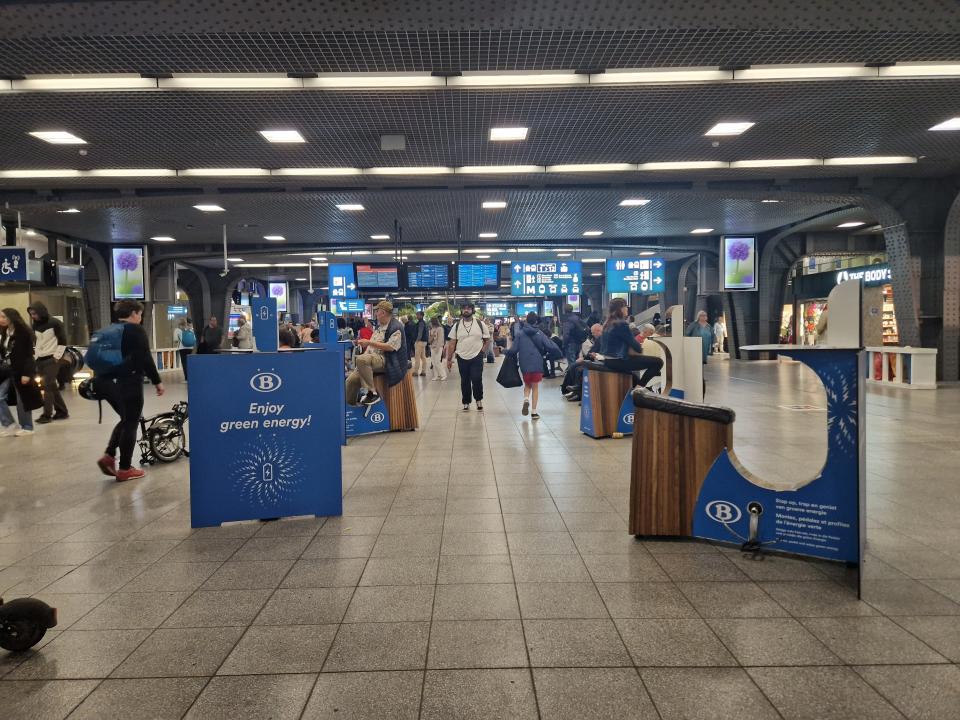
[{"x": 385, "y": 352}]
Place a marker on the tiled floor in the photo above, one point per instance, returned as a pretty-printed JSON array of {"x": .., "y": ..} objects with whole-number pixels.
[{"x": 482, "y": 569}]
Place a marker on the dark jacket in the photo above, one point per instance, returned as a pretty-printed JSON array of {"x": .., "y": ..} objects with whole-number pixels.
[
  {"x": 136, "y": 352},
  {"x": 211, "y": 337},
  {"x": 574, "y": 329},
  {"x": 17, "y": 350},
  {"x": 531, "y": 346},
  {"x": 395, "y": 363},
  {"x": 617, "y": 340},
  {"x": 420, "y": 331}
]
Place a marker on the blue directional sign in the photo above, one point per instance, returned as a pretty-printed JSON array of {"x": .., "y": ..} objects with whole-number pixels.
[
  {"x": 13, "y": 264},
  {"x": 545, "y": 277},
  {"x": 340, "y": 307},
  {"x": 343, "y": 281},
  {"x": 635, "y": 275}
]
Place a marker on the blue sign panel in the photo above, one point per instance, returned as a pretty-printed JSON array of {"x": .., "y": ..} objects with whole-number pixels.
[
  {"x": 348, "y": 306},
  {"x": 545, "y": 277},
  {"x": 366, "y": 419},
  {"x": 264, "y": 436},
  {"x": 266, "y": 330},
  {"x": 13, "y": 264},
  {"x": 343, "y": 281},
  {"x": 586, "y": 410},
  {"x": 496, "y": 309},
  {"x": 635, "y": 275},
  {"x": 625, "y": 418},
  {"x": 527, "y": 307},
  {"x": 327, "y": 325}
]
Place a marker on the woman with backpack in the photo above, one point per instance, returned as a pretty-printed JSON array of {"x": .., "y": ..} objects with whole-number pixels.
[
  {"x": 186, "y": 340},
  {"x": 17, "y": 370},
  {"x": 531, "y": 346}
]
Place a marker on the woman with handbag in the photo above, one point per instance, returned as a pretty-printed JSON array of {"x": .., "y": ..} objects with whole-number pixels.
[
  {"x": 531, "y": 346},
  {"x": 17, "y": 369}
]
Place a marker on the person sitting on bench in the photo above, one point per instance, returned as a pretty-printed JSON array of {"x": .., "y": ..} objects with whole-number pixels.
[
  {"x": 572, "y": 386},
  {"x": 617, "y": 342},
  {"x": 385, "y": 351}
]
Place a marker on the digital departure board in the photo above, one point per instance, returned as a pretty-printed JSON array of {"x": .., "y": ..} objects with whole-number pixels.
[
  {"x": 478, "y": 275},
  {"x": 427, "y": 276},
  {"x": 377, "y": 276},
  {"x": 496, "y": 309}
]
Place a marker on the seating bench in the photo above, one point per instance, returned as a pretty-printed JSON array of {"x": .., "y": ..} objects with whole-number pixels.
[
  {"x": 603, "y": 396},
  {"x": 400, "y": 400}
]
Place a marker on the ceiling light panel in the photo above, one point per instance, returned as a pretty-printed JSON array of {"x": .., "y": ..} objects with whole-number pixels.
[
  {"x": 132, "y": 172},
  {"x": 317, "y": 171},
  {"x": 58, "y": 137},
  {"x": 40, "y": 173},
  {"x": 591, "y": 167},
  {"x": 517, "y": 79},
  {"x": 350, "y": 207},
  {"x": 592, "y": 233},
  {"x": 274, "y": 238},
  {"x": 804, "y": 72},
  {"x": 487, "y": 235},
  {"x": 872, "y": 160},
  {"x": 66, "y": 83},
  {"x": 907, "y": 69},
  {"x": 685, "y": 165},
  {"x": 379, "y": 237},
  {"x": 282, "y": 136},
  {"x": 224, "y": 172},
  {"x": 209, "y": 208},
  {"x": 852, "y": 224},
  {"x": 782, "y": 162},
  {"x": 385, "y": 81},
  {"x": 408, "y": 171},
  {"x": 660, "y": 76},
  {"x": 729, "y": 128},
  {"x": 500, "y": 169},
  {"x": 494, "y": 204},
  {"x": 68, "y": 211},
  {"x": 508, "y": 134},
  {"x": 164, "y": 238},
  {"x": 951, "y": 124},
  {"x": 701, "y": 231},
  {"x": 235, "y": 81},
  {"x": 634, "y": 202}
]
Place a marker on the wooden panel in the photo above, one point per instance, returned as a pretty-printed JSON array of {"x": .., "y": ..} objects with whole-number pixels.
[
  {"x": 671, "y": 457},
  {"x": 607, "y": 390},
  {"x": 401, "y": 402}
]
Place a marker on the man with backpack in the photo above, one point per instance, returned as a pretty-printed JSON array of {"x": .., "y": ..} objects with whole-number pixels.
[
  {"x": 120, "y": 356},
  {"x": 574, "y": 333},
  {"x": 469, "y": 338}
]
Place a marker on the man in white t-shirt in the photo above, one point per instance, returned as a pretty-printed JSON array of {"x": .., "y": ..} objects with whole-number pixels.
[{"x": 469, "y": 338}]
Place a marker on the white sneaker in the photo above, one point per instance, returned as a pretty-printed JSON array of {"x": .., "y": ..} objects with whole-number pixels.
[
  {"x": 9, "y": 430},
  {"x": 21, "y": 432}
]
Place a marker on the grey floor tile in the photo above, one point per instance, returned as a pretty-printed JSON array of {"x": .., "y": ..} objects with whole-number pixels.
[
  {"x": 457, "y": 569},
  {"x": 360, "y": 696},
  {"x": 154, "y": 698},
  {"x": 275, "y": 696},
  {"x": 412, "y": 525},
  {"x": 574, "y": 643},
  {"x": 706, "y": 694},
  {"x": 541, "y": 543},
  {"x": 645, "y": 600},
  {"x": 20, "y": 580},
  {"x": 870, "y": 641},
  {"x": 211, "y": 608},
  {"x": 390, "y": 603},
  {"x": 248, "y": 575},
  {"x": 906, "y": 597},
  {"x": 203, "y": 548},
  {"x": 560, "y": 600},
  {"x": 95, "y": 579},
  {"x": 132, "y": 610},
  {"x": 624, "y": 568},
  {"x": 725, "y": 600},
  {"x": 817, "y": 599},
  {"x": 549, "y": 568},
  {"x": 696, "y": 567},
  {"x": 172, "y": 577},
  {"x": 286, "y": 649},
  {"x": 821, "y": 693},
  {"x": 533, "y": 522},
  {"x": 592, "y": 694},
  {"x": 476, "y": 602},
  {"x": 476, "y": 644},
  {"x": 472, "y": 523},
  {"x": 305, "y": 606},
  {"x": 80, "y": 654},
  {"x": 771, "y": 641},
  {"x": 940, "y": 633},
  {"x": 400, "y": 571},
  {"x": 305, "y": 526},
  {"x": 407, "y": 546},
  {"x": 478, "y": 695},
  {"x": 457, "y": 543},
  {"x": 593, "y": 521},
  {"x": 43, "y": 700},
  {"x": 776, "y": 567},
  {"x": 379, "y": 646},
  {"x": 352, "y": 526},
  {"x": 528, "y": 505},
  {"x": 271, "y": 548},
  {"x": 326, "y": 572},
  {"x": 63, "y": 553},
  {"x": 136, "y": 552},
  {"x": 920, "y": 692},
  {"x": 71, "y": 607},
  {"x": 340, "y": 546},
  {"x": 673, "y": 643},
  {"x": 180, "y": 652}
]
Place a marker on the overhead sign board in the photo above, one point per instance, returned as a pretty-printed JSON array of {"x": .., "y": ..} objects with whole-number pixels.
[
  {"x": 545, "y": 277},
  {"x": 13, "y": 264},
  {"x": 343, "y": 281},
  {"x": 635, "y": 275},
  {"x": 355, "y": 305}
]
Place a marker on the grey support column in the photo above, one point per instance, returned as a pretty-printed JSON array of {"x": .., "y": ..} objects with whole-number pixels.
[{"x": 951, "y": 294}]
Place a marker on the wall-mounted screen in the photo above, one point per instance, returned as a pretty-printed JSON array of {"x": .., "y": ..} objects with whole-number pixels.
[
  {"x": 278, "y": 290},
  {"x": 738, "y": 262},
  {"x": 377, "y": 276},
  {"x": 545, "y": 277},
  {"x": 496, "y": 309},
  {"x": 574, "y": 301},
  {"x": 69, "y": 275},
  {"x": 478, "y": 275},
  {"x": 427, "y": 276},
  {"x": 548, "y": 308},
  {"x": 635, "y": 275},
  {"x": 530, "y": 306},
  {"x": 129, "y": 273}
]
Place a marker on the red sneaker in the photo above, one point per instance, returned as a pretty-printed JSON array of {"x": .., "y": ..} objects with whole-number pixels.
[
  {"x": 108, "y": 465},
  {"x": 129, "y": 474}
]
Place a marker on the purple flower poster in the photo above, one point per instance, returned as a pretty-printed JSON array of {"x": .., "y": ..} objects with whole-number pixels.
[
  {"x": 129, "y": 277},
  {"x": 739, "y": 263},
  {"x": 278, "y": 290}
]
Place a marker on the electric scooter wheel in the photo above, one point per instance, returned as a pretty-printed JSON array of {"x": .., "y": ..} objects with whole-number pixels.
[{"x": 24, "y": 622}]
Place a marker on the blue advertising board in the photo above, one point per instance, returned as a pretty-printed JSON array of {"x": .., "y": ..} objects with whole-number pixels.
[
  {"x": 341, "y": 307},
  {"x": 635, "y": 275},
  {"x": 545, "y": 277},
  {"x": 527, "y": 307},
  {"x": 13, "y": 264},
  {"x": 264, "y": 436},
  {"x": 343, "y": 280},
  {"x": 266, "y": 328},
  {"x": 367, "y": 419}
]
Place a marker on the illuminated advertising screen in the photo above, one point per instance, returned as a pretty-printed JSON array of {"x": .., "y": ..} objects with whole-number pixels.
[
  {"x": 496, "y": 309},
  {"x": 574, "y": 301},
  {"x": 129, "y": 273},
  {"x": 478, "y": 275},
  {"x": 635, "y": 275},
  {"x": 738, "y": 262},
  {"x": 548, "y": 308},
  {"x": 377, "y": 276},
  {"x": 545, "y": 277},
  {"x": 278, "y": 290},
  {"x": 525, "y": 307},
  {"x": 427, "y": 276}
]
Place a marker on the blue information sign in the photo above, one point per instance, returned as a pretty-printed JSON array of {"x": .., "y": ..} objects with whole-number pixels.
[
  {"x": 348, "y": 306},
  {"x": 496, "y": 309},
  {"x": 527, "y": 307},
  {"x": 545, "y": 277},
  {"x": 264, "y": 436},
  {"x": 13, "y": 264},
  {"x": 343, "y": 281},
  {"x": 266, "y": 330},
  {"x": 635, "y": 275}
]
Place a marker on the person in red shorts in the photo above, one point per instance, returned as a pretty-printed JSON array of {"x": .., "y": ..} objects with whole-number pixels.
[{"x": 530, "y": 346}]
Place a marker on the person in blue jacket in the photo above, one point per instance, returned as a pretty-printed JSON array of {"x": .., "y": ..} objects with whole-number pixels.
[
  {"x": 530, "y": 347},
  {"x": 616, "y": 343},
  {"x": 702, "y": 329}
]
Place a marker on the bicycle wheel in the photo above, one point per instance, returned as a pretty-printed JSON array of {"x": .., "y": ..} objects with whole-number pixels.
[{"x": 166, "y": 440}]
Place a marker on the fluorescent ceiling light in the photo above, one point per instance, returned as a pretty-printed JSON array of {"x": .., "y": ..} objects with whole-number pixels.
[
  {"x": 487, "y": 234},
  {"x": 633, "y": 202},
  {"x": 782, "y": 162},
  {"x": 131, "y": 172},
  {"x": 340, "y": 81},
  {"x": 592, "y": 233},
  {"x": 300, "y": 279},
  {"x": 591, "y": 167},
  {"x": 505, "y": 262},
  {"x": 256, "y": 265},
  {"x": 317, "y": 171},
  {"x": 274, "y": 238},
  {"x": 499, "y": 169},
  {"x": 684, "y": 165},
  {"x": 84, "y": 82},
  {"x": 872, "y": 160},
  {"x": 517, "y": 79},
  {"x": 769, "y": 201},
  {"x": 282, "y": 136},
  {"x": 474, "y": 251},
  {"x": 504, "y": 134},
  {"x": 384, "y": 252},
  {"x": 31, "y": 233},
  {"x": 319, "y": 259},
  {"x": 920, "y": 69},
  {"x": 729, "y": 128},
  {"x": 646, "y": 253},
  {"x": 408, "y": 171},
  {"x": 322, "y": 265},
  {"x": 951, "y": 124},
  {"x": 379, "y": 237},
  {"x": 235, "y": 260},
  {"x": 530, "y": 250},
  {"x": 58, "y": 137},
  {"x": 68, "y": 211},
  {"x": 40, "y": 173},
  {"x": 564, "y": 254},
  {"x": 483, "y": 257},
  {"x": 851, "y": 224},
  {"x": 593, "y": 260},
  {"x": 436, "y": 251},
  {"x": 701, "y": 231},
  {"x": 494, "y": 204},
  {"x": 350, "y": 207},
  {"x": 804, "y": 72},
  {"x": 235, "y": 81},
  {"x": 628, "y": 76},
  {"x": 342, "y": 252},
  {"x": 291, "y": 264},
  {"x": 164, "y": 238},
  {"x": 224, "y": 172},
  {"x": 209, "y": 208}
]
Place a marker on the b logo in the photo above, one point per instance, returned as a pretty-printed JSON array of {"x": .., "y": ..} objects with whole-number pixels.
[
  {"x": 628, "y": 419},
  {"x": 377, "y": 418},
  {"x": 265, "y": 382},
  {"x": 723, "y": 512}
]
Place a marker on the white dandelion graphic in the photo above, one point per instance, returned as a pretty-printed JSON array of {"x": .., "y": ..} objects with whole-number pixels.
[{"x": 267, "y": 473}]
